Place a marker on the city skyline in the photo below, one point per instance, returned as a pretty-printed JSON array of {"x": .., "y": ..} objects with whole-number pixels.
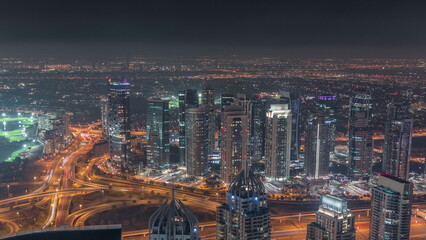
[{"x": 203, "y": 120}]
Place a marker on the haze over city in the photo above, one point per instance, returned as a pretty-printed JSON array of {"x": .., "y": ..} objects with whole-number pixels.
[{"x": 247, "y": 120}]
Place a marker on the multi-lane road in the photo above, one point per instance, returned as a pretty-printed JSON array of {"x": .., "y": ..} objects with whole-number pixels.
[{"x": 63, "y": 183}]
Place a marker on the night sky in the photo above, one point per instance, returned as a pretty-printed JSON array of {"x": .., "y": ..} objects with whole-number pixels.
[{"x": 294, "y": 28}]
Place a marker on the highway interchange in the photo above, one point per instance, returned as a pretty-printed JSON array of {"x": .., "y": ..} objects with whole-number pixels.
[{"x": 63, "y": 183}]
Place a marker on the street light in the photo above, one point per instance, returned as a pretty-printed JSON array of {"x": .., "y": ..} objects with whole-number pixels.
[
  {"x": 80, "y": 206},
  {"x": 8, "y": 190}
]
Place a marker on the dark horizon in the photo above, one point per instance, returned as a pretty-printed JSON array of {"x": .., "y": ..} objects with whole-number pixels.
[
  {"x": 384, "y": 29},
  {"x": 184, "y": 50}
]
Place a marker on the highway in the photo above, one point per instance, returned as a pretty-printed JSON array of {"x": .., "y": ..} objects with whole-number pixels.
[{"x": 62, "y": 184}]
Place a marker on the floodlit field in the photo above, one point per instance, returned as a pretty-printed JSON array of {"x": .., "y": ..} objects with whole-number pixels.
[
  {"x": 18, "y": 124},
  {"x": 16, "y": 134},
  {"x": 16, "y": 153}
]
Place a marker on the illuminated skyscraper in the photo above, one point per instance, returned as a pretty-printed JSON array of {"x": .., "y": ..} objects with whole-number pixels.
[
  {"x": 327, "y": 106},
  {"x": 318, "y": 142},
  {"x": 334, "y": 221},
  {"x": 258, "y": 128},
  {"x": 157, "y": 130},
  {"x": 397, "y": 151},
  {"x": 197, "y": 144},
  {"x": 118, "y": 112},
  {"x": 278, "y": 141},
  {"x": 245, "y": 215},
  {"x": 173, "y": 221},
  {"x": 104, "y": 117},
  {"x": 235, "y": 140},
  {"x": 360, "y": 136},
  {"x": 295, "y": 107},
  {"x": 187, "y": 99},
  {"x": 207, "y": 99},
  {"x": 391, "y": 202}
]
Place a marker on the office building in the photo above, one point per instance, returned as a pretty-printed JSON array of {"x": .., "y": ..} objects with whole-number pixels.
[
  {"x": 197, "y": 142},
  {"x": 173, "y": 221},
  {"x": 334, "y": 221},
  {"x": 391, "y": 202},
  {"x": 360, "y": 142},
  {"x": 278, "y": 141},
  {"x": 258, "y": 127},
  {"x": 207, "y": 99},
  {"x": 319, "y": 139},
  {"x": 104, "y": 118},
  {"x": 235, "y": 141},
  {"x": 158, "y": 136},
  {"x": 118, "y": 120},
  {"x": 327, "y": 106},
  {"x": 295, "y": 105},
  {"x": 397, "y": 149},
  {"x": 187, "y": 99},
  {"x": 245, "y": 215}
]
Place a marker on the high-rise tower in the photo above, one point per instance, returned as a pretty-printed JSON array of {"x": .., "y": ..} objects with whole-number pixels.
[
  {"x": 207, "y": 99},
  {"x": 235, "y": 140},
  {"x": 104, "y": 117},
  {"x": 245, "y": 215},
  {"x": 360, "y": 136},
  {"x": 118, "y": 120},
  {"x": 391, "y": 202},
  {"x": 197, "y": 142},
  {"x": 295, "y": 107},
  {"x": 258, "y": 127},
  {"x": 173, "y": 221},
  {"x": 397, "y": 150},
  {"x": 278, "y": 141},
  {"x": 157, "y": 130},
  {"x": 318, "y": 142},
  {"x": 334, "y": 221},
  {"x": 187, "y": 99}
]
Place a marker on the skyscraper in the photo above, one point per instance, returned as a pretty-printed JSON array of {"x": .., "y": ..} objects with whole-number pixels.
[
  {"x": 258, "y": 127},
  {"x": 235, "y": 140},
  {"x": 318, "y": 142},
  {"x": 391, "y": 202},
  {"x": 360, "y": 136},
  {"x": 334, "y": 221},
  {"x": 197, "y": 142},
  {"x": 278, "y": 141},
  {"x": 104, "y": 117},
  {"x": 327, "y": 105},
  {"x": 295, "y": 107},
  {"x": 187, "y": 99},
  {"x": 157, "y": 130},
  {"x": 173, "y": 221},
  {"x": 245, "y": 215},
  {"x": 207, "y": 99},
  {"x": 397, "y": 150},
  {"x": 118, "y": 112}
]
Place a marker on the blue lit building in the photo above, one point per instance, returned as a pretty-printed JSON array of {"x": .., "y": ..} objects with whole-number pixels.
[
  {"x": 245, "y": 215},
  {"x": 157, "y": 132},
  {"x": 334, "y": 221},
  {"x": 360, "y": 141},
  {"x": 391, "y": 205},
  {"x": 117, "y": 110}
]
